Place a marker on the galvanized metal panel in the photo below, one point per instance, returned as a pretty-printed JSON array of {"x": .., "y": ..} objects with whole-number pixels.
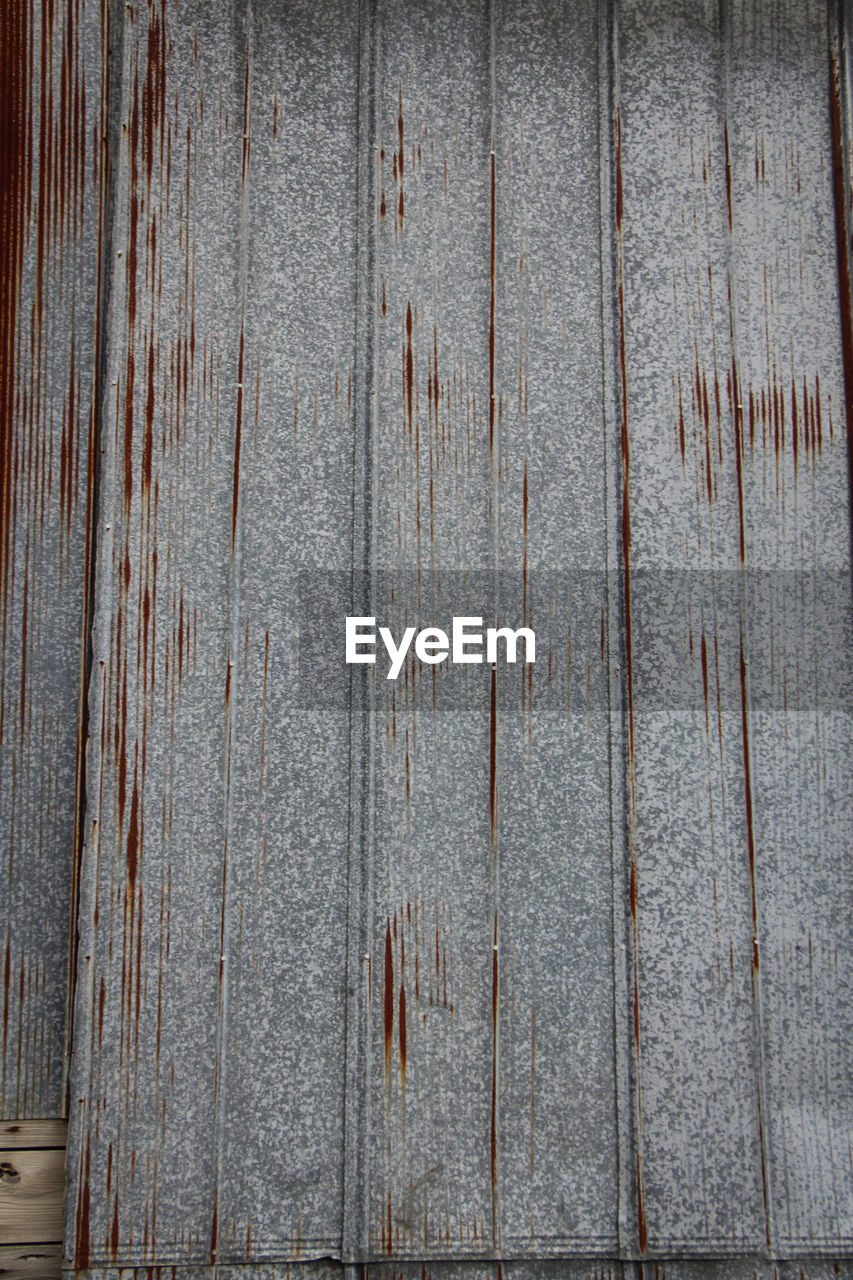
[
  {"x": 233, "y": 446},
  {"x": 477, "y": 350},
  {"x": 142, "y": 1155},
  {"x": 51, "y": 226},
  {"x": 285, "y": 917},
  {"x": 562, "y": 1269},
  {"x": 796, "y": 505},
  {"x": 698, "y": 1145},
  {"x": 728, "y": 146},
  {"x": 557, "y": 1133},
  {"x": 432, "y": 1172},
  {"x": 461, "y": 966}
]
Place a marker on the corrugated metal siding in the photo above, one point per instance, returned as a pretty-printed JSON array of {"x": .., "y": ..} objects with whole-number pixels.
[
  {"x": 52, "y": 158},
  {"x": 751, "y": 378},
  {"x": 531, "y": 312}
]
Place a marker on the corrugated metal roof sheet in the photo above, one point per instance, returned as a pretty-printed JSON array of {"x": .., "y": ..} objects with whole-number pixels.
[
  {"x": 51, "y": 224},
  {"x": 427, "y": 309}
]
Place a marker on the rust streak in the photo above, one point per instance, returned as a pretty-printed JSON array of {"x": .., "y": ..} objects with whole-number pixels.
[
  {"x": 388, "y": 994},
  {"x": 408, "y": 367},
  {"x": 493, "y": 758},
  {"x": 493, "y": 1136}
]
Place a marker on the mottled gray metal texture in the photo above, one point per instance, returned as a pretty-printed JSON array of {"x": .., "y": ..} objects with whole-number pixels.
[
  {"x": 698, "y": 1149},
  {"x": 426, "y": 309},
  {"x": 796, "y": 503},
  {"x": 50, "y": 231},
  {"x": 215, "y": 911},
  {"x": 737, "y": 459},
  {"x": 285, "y": 915},
  {"x": 151, "y": 984},
  {"x": 492, "y": 1101},
  {"x": 745, "y": 1268}
]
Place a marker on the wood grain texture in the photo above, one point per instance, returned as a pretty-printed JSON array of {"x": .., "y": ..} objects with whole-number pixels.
[
  {"x": 31, "y": 1262},
  {"x": 31, "y": 1187},
  {"x": 18, "y": 1134}
]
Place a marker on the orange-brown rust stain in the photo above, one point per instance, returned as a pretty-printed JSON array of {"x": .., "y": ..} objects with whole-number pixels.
[
  {"x": 81, "y": 1238},
  {"x": 154, "y": 90},
  {"x": 524, "y": 522},
  {"x": 400, "y": 161},
  {"x": 642, "y": 1229},
  {"x": 15, "y": 186},
  {"x": 493, "y": 1128},
  {"x": 408, "y": 368},
  {"x": 133, "y": 837},
  {"x": 493, "y": 758},
  {"x": 115, "y": 1234},
  {"x": 388, "y": 995},
  {"x": 46, "y": 190},
  {"x": 625, "y": 453},
  {"x": 761, "y": 417}
]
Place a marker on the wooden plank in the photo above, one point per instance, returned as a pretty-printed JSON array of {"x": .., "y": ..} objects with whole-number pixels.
[
  {"x": 29, "y": 1134},
  {"x": 31, "y": 1262},
  {"x": 31, "y": 1188}
]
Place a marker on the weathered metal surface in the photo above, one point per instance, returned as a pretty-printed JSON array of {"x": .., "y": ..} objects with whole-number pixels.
[
  {"x": 529, "y": 312},
  {"x": 698, "y": 1154},
  {"x": 734, "y": 412},
  {"x": 152, "y": 982},
  {"x": 227, "y": 468},
  {"x": 554, "y": 1269},
  {"x": 285, "y": 916},
  {"x": 52, "y": 171},
  {"x": 492, "y": 1095},
  {"x": 796, "y": 518}
]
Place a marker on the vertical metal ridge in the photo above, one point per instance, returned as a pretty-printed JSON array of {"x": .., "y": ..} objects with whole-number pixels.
[
  {"x": 356, "y": 1180},
  {"x": 743, "y": 609},
  {"x": 107, "y": 22},
  {"x": 495, "y": 444},
  {"x": 76, "y": 1225},
  {"x": 622, "y": 566},
  {"x": 232, "y": 676},
  {"x": 608, "y": 97}
]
